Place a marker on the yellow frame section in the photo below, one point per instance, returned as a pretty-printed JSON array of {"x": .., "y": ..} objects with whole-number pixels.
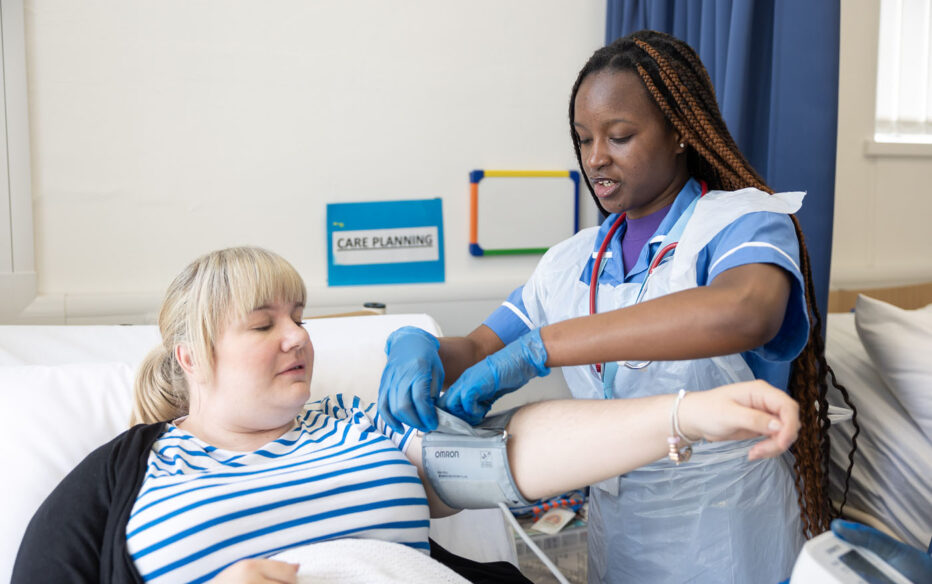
[{"x": 520, "y": 173}]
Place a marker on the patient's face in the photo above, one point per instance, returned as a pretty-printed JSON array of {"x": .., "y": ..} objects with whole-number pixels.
[{"x": 263, "y": 368}]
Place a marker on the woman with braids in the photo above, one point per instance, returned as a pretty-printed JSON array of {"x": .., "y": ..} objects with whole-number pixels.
[{"x": 698, "y": 277}]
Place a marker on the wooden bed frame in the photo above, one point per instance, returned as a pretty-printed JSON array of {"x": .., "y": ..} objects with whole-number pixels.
[{"x": 908, "y": 296}]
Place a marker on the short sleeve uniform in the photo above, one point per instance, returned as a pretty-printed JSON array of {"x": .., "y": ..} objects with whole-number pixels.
[{"x": 760, "y": 237}]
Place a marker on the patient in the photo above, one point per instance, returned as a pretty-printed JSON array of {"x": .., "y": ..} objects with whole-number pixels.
[{"x": 229, "y": 463}]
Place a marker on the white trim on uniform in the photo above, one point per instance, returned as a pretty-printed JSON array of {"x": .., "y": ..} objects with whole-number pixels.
[
  {"x": 519, "y": 314},
  {"x": 754, "y": 244}
]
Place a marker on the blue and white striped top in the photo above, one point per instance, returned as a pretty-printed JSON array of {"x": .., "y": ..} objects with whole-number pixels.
[{"x": 340, "y": 472}]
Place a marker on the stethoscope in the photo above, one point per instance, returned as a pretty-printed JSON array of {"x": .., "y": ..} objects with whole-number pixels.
[{"x": 607, "y": 371}]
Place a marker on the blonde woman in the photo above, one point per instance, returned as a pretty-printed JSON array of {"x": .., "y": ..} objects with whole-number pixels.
[{"x": 229, "y": 463}]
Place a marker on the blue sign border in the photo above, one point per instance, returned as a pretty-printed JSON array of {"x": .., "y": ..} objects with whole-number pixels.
[{"x": 385, "y": 215}]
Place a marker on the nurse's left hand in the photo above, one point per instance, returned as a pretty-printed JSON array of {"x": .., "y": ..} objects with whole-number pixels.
[{"x": 504, "y": 371}]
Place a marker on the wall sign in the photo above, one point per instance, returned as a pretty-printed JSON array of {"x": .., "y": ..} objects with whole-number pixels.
[
  {"x": 390, "y": 242},
  {"x": 545, "y": 203}
]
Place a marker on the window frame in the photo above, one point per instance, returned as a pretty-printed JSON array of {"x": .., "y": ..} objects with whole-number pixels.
[
  {"x": 17, "y": 245},
  {"x": 884, "y": 143}
]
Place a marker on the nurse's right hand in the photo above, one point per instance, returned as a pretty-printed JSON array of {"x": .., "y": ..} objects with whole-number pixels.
[{"x": 411, "y": 380}]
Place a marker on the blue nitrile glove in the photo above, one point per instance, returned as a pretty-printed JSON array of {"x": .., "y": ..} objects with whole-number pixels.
[
  {"x": 915, "y": 564},
  {"x": 411, "y": 380},
  {"x": 471, "y": 396}
]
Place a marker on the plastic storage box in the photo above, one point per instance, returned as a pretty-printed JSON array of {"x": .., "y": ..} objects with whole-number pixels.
[{"x": 566, "y": 549}]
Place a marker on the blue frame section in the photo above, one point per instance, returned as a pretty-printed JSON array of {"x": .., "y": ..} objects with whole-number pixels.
[{"x": 476, "y": 250}]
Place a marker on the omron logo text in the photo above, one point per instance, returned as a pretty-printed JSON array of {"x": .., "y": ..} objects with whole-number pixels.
[{"x": 447, "y": 454}]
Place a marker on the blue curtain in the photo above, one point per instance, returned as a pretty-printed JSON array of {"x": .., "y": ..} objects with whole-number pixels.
[{"x": 774, "y": 64}]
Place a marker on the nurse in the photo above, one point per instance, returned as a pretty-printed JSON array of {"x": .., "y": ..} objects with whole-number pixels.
[{"x": 698, "y": 277}]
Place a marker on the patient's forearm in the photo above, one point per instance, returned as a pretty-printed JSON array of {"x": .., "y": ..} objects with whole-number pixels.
[{"x": 556, "y": 446}]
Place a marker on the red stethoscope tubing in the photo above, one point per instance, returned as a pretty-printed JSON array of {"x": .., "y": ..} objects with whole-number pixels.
[
  {"x": 598, "y": 262},
  {"x": 593, "y": 282}
]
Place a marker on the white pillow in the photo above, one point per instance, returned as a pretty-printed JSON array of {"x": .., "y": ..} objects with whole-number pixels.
[
  {"x": 899, "y": 343},
  {"x": 889, "y": 483},
  {"x": 349, "y": 351},
  {"x": 53, "y": 418}
]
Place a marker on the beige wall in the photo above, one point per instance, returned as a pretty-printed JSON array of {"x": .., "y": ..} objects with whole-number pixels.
[
  {"x": 883, "y": 203},
  {"x": 164, "y": 129},
  {"x": 161, "y": 130}
]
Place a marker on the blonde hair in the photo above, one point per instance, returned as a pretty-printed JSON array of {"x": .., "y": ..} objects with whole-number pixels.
[{"x": 213, "y": 290}]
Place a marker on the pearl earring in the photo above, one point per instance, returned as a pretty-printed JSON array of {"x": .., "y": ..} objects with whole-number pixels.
[{"x": 682, "y": 145}]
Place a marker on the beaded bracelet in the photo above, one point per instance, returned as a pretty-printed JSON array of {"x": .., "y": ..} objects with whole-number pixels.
[{"x": 677, "y": 453}]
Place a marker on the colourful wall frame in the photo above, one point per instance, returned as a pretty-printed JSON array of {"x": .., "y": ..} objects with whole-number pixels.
[{"x": 521, "y": 211}]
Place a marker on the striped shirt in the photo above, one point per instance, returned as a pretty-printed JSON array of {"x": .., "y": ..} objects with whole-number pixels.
[{"x": 340, "y": 472}]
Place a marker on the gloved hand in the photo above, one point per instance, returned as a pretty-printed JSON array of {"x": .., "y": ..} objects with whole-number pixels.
[
  {"x": 915, "y": 564},
  {"x": 411, "y": 380},
  {"x": 504, "y": 371}
]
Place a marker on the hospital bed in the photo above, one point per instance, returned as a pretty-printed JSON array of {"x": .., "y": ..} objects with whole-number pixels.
[
  {"x": 882, "y": 353},
  {"x": 64, "y": 390}
]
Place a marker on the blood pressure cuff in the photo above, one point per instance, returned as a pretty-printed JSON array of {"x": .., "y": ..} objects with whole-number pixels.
[{"x": 468, "y": 466}]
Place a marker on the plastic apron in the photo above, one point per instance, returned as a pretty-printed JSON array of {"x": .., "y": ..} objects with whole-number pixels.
[{"x": 717, "y": 518}]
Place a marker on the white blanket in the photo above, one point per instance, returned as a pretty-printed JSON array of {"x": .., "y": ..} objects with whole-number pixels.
[{"x": 366, "y": 561}]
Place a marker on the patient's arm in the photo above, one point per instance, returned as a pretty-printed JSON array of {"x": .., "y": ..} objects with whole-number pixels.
[
  {"x": 437, "y": 507},
  {"x": 592, "y": 440},
  {"x": 560, "y": 445},
  {"x": 258, "y": 570}
]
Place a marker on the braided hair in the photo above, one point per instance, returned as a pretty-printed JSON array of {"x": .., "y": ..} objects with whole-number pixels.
[{"x": 679, "y": 84}]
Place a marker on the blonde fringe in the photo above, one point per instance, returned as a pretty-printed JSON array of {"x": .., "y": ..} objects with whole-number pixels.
[{"x": 213, "y": 290}]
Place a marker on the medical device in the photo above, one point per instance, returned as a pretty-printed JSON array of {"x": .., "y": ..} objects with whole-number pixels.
[
  {"x": 603, "y": 369},
  {"x": 468, "y": 468},
  {"x": 828, "y": 559}
]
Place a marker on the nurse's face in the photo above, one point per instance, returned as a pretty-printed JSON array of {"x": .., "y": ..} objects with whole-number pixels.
[{"x": 629, "y": 152}]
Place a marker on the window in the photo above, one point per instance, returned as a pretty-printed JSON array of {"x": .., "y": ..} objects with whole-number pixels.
[{"x": 904, "y": 72}]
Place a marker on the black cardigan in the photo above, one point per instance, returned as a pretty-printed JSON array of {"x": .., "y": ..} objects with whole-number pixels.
[{"x": 78, "y": 534}]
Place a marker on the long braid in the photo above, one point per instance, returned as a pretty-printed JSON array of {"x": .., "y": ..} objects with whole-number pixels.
[
  {"x": 708, "y": 98},
  {"x": 675, "y": 120},
  {"x": 814, "y": 354},
  {"x": 681, "y": 87},
  {"x": 814, "y": 410},
  {"x": 696, "y": 116},
  {"x": 684, "y": 83}
]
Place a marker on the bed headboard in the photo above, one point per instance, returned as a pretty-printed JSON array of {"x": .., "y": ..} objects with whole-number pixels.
[{"x": 908, "y": 296}]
